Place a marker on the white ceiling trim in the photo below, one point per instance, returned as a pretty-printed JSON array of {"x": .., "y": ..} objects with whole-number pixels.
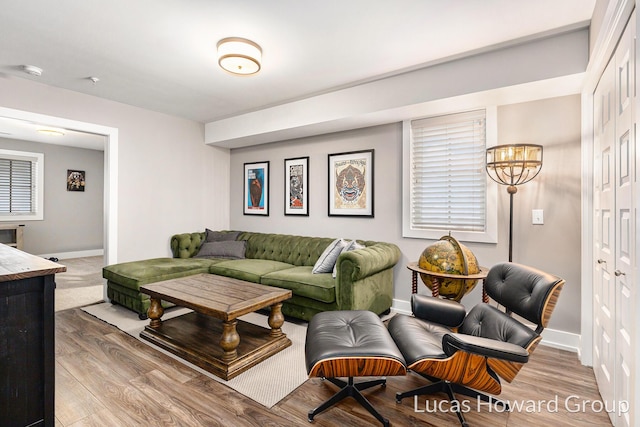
[{"x": 499, "y": 74}]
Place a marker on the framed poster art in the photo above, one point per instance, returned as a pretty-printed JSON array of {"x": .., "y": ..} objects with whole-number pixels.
[
  {"x": 256, "y": 189},
  {"x": 351, "y": 184},
  {"x": 296, "y": 186}
]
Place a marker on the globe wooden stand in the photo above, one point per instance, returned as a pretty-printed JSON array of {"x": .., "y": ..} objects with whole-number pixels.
[{"x": 436, "y": 278}]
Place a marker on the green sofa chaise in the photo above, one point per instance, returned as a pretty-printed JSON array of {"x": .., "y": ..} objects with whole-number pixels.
[{"x": 363, "y": 277}]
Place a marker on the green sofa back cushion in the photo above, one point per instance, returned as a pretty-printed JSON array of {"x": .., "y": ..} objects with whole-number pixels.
[
  {"x": 300, "y": 251},
  {"x": 295, "y": 250},
  {"x": 186, "y": 245}
]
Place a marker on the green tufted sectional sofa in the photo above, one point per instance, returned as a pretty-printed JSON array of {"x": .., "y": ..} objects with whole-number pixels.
[{"x": 364, "y": 277}]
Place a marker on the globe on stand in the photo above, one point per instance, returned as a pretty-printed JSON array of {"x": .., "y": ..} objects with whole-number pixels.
[{"x": 442, "y": 261}]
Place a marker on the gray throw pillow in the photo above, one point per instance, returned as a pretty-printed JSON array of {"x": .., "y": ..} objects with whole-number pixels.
[
  {"x": 228, "y": 249},
  {"x": 221, "y": 236},
  {"x": 328, "y": 258},
  {"x": 351, "y": 246}
]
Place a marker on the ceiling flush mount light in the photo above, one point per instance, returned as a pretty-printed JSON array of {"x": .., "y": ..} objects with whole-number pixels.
[
  {"x": 32, "y": 70},
  {"x": 239, "y": 56},
  {"x": 51, "y": 132}
]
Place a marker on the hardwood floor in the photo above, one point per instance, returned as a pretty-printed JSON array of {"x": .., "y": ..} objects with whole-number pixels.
[{"x": 107, "y": 378}]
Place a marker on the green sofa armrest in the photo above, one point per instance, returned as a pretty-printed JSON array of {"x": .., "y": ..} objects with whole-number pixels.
[
  {"x": 186, "y": 245},
  {"x": 361, "y": 263},
  {"x": 364, "y": 277}
]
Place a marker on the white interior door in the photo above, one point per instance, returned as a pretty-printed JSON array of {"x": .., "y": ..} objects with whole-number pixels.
[
  {"x": 624, "y": 233},
  {"x": 604, "y": 197},
  {"x": 614, "y": 242}
]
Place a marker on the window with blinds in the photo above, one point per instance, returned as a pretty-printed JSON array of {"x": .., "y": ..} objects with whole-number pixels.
[
  {"x": 20, "y": 185},
  {"x": 447, "y": 181}
]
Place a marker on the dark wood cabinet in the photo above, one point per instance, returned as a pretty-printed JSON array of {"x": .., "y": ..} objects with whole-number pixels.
[{"x": 27, "y": 376}]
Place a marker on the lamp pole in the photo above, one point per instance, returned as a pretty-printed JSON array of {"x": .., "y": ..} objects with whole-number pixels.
[
  {"x": 512, "y": 189},
  {"x": 512, "y": 165}
]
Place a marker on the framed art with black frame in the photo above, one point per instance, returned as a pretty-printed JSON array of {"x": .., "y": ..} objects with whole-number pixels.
[
  {"x": 296, "y": 186},
  {"x": 256, "y": 188},
  {"x": 351, "y": 184},
  {"x": 75, "y": 180}
]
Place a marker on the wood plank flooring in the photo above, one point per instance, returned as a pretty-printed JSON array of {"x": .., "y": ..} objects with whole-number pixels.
[{"x": 107, "y": 378}]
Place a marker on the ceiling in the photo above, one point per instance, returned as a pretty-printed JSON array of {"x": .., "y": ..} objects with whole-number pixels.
[
  {"x": 160, "y": 55},
  {"x": 30, "y": 131}
]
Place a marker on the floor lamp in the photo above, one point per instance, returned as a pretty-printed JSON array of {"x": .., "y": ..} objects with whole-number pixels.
[{"x": 513, "y": 165}]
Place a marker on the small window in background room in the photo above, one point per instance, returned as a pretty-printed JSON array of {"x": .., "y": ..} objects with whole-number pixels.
[
  {"x": 21, "y": 185},
  {"x": 445, "y": 185}
]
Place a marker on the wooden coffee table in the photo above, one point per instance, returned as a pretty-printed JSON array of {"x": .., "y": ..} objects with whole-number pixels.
[{"x": 212, "y": 337}]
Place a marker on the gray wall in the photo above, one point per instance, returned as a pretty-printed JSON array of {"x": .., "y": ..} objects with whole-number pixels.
[
  {"x": 73, "y": 220},
  {"x": 554, "y": 246}
]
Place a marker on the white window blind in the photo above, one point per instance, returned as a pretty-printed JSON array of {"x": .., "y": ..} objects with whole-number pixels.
[
  {"x": 448, "y": 180},
  {"x": 20, "y": 185},
  {"x": 16, "y": 186}
]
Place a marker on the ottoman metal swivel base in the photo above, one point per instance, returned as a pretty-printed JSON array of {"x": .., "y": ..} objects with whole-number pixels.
[
  {"x": 349, "y": 389},
  {"x": 351, "y": 344}
]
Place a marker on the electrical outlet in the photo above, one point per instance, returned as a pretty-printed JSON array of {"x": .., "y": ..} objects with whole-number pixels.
[{"x": 537, "y": 217}]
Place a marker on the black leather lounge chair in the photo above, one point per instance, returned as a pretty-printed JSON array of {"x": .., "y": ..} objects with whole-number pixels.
[{"x": 468, "y": 354}]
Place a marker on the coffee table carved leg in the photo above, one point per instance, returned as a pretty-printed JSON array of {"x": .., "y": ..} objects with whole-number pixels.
[
  {"x": 229, "y": 340},
  {"x": 276, "y": 319},
  {"x": 155, "y": 312}
]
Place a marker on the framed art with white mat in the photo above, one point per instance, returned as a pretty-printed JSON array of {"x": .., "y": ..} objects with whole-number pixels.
[
  {"x": 256, "y": 189},
  {"x": 296, "y": 186},
  {"x": 351, "y": 184}
]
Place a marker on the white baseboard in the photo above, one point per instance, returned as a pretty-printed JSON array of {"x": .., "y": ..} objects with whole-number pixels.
[
  {"x": 550, "y": 337},
  {"x": 401, "y": 306},
  {"x": 76, "y": 254},
  {"x": 561, "y": 340}
]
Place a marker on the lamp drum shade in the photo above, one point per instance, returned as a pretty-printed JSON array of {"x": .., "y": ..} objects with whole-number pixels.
[{"x": 514, "y": 164}]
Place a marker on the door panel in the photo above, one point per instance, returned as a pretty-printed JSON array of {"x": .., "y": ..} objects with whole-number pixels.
[
  {"x": 614, "y": 237},
  {"x": 604, "y": 236},
  {"x": 624, "y": 239}
]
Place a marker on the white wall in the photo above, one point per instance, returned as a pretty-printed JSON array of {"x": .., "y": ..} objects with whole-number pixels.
[
  {"x": 554, "y": 247},
  {"x": 169, "y": 181}
]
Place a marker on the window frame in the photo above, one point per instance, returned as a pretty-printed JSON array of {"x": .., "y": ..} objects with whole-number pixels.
[
  {"x": 490, "y": 234},
  {"x": 38, "y": 159}
]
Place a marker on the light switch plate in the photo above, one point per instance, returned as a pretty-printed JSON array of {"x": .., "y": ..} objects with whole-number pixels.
[{"x": 537, "y": 217}]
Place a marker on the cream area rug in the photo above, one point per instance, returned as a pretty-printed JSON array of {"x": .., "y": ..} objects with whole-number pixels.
[
  {"x": 82, "y": 284},
  {"x": 266, "y": 383},
  {"x": 77, "y": 297}
]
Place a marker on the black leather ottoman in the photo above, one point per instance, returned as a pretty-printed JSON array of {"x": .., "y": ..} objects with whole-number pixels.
[{"x": 351, "y": 344}]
